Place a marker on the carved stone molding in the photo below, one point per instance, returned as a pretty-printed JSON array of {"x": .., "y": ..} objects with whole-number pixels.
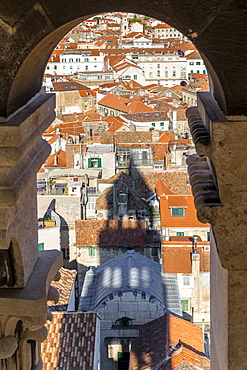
[
  {"x": 218, "y": 176},
  {"x": 22, "y": 152},
  {"x": 23, "y": 313}
]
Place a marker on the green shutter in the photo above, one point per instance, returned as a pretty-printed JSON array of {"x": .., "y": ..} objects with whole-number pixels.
[
  {"x": 91, "y": 251},
  {"x": 185, "y": 304},
  {"x": 180, "y": 233},
  {"x": 41, "y": 246},
  {"x": 99, "y": 162},
  {"x": 89, "y": 163}
]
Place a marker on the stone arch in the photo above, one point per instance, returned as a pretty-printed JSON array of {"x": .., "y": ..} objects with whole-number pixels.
[{"x": 43, "y": 25}]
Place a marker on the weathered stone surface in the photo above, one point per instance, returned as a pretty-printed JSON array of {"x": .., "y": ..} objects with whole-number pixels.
[{"x": 22, "y": 152}]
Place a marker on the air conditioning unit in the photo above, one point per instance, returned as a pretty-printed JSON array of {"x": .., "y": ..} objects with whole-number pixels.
[{"x": 206, "y": 248}]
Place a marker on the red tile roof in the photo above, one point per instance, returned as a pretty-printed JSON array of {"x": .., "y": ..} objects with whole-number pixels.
[
  {"x": 123, "y": 104},
  {"x": 56, "y": 160},
  {"x": 176, "y": 256},
  {"x": 162, "y": 188},
  {"x": 152, "y": 348},
  {"x": 107, "y": 233},
  {"x": 64, "y": 287},
  {"x": 177, "y": 182},
  {"x": 179, "y": 201},
  {"x": 68, "y": 86},
  {"x": 70, "y": 344}
]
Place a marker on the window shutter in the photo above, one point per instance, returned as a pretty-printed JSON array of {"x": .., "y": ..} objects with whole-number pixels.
[
  {"x": 99, "y": 162},
  {"x": 89, "y": 163},
  {"x": 185, "y": 304}
]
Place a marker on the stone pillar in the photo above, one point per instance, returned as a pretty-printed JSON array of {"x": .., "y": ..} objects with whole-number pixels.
[
  {"x": 25, "y": 273},
  {"x": 218, "y": 176}
]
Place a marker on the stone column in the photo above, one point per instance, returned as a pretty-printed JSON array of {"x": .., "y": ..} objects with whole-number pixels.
[
  {"x": 25, "y": 273},
  {"x": 218, "y": 176}
]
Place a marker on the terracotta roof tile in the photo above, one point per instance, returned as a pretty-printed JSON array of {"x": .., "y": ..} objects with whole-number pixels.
[
  {"x": 153, "y": 346},
  {"x": 123, "y": 104},
  {"x": 176, "y": 256},
  {"x": 162, "y": 188},
  {"x": 180, "y": 201},
  {"x": 70, "y": 343},
  {"x": 127, "y": 233},
  {"x": 64, "y": 287},
  {"x": 56, "y": 160}
]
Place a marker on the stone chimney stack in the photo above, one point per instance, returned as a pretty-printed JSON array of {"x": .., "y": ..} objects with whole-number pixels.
[{"x": 196, "y": 295}]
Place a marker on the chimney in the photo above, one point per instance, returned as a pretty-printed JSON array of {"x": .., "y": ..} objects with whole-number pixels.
[
  {"x": 196, "y": 293},
  {"x": 155, "y": 136}
]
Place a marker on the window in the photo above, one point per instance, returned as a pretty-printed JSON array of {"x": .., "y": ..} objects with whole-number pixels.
[
  {"x": 122, "y": 198},
  {"x": 158, "y": 65},
  {"x": 78, "y": 60},
  {"x": 55, "y": 67},
  {"x": 162, "y": 124},
  {"x": 198, "y": 71},
  {"x": 135, "y": 77},
  {"x": 41, "y": 246},
  {"x": 208, "y": 235},
  {"x": 198, "y": 63},
  {"x": 70, "y": 60},
  {"x": 86, "y": 68},
  {"x": 91, "y": 202},
  {"x": 166, "y": 73},
  {"x": 204, "y": 71},
  {"x": 91, "y": 251},
  {"x": 174, "y": 74},
  {"x": 177, "y": 211},
  {"x": 185, "y": 304},
  {"x": 63, "y": 60},
  {"x": 145, "y": 157},
  {"x": 191, "y": 63},
  {"x": 150, "y": 74},
  {"x": 94, "y": 162},
  {"x": 186, "y": 280},
  {"x": 180, "y": 233},
  {"x": 158, "y": 73},
  {"x": 86, "y": 60},
  {"x": 153, "y": 124},
  {"x": 154, "y": 252}
]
